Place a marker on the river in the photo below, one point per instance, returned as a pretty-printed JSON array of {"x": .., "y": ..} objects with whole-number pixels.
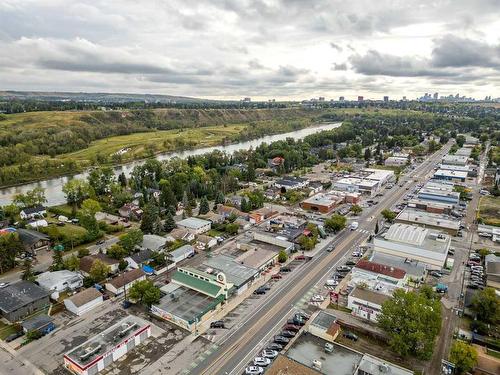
[{"x": 53, "y": 186}]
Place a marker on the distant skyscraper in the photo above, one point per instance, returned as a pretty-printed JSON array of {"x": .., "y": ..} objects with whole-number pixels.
[
  {"x": 404, "y": 98},
  {"x": 436, "y": 96},
  {"x": 247, "y": 100},
  {"x": 321, "y": 98},
  {"x": 360, "y": 98},
  {"x": 341, "y": 98},
  {"x": 386, "y": 98}
]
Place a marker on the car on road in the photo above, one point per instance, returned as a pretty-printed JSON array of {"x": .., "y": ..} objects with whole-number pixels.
[
  {"x": 281, "y": 339},
  {"x": 254, "y": 370},
  {"x": 261, "y": 361},
  {"x": 277, "y": 276},
  {"x": 350, "y": 262},
  {"x": 343, "y": 269},
  {"x": 285, "y": 269},
  {"x": 330, "y": 248},
  {"x": 317, "y": 298},
  {"x": 354, "y": 225},
  {"x": 288, "y": 334},
  {"x": 217, "y": 324},
  {"x": 350, "y": 336},
  {"x": 259, "y": 291},
  {"x": 270, "y": 353},
  {"x": 273, "y": 347},
  {"x": 3, "y": 285}
]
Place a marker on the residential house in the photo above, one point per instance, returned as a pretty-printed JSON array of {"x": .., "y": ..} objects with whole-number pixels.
[
  {"x": 205, "y": 242},
  {"x": 131, "y": 211},
  {"x": 153, "y": 242},
  {"x": 291, "y": 183},
  {"x": 84, "y": 301},
  {"x": 59, "y": 281},
  {"x": 33, "y": 212},
  {"x": 261, "y": 214},
  {"x": 21, "y": 299},
  {"x": 140, "y": 258},
  {"x": 213, "y": 217},
  {"x": 180, "y": 235},
  {"x": 275, "y": 163},
  {"x": 181, "y": 253},
  {"x": 123, "y": 282},
  {"x": 195, "y": 225},
  {"x": 228, "y": 211},
  {"x": 33, "y": 241},
  {"x": 87, "y": 262}
]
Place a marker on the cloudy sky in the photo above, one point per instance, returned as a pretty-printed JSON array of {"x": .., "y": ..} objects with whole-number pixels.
[{"x": 283, "y": 49}]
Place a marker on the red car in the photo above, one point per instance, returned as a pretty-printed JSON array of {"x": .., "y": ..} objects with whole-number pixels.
[
  {"x": 301, "y": 257},
  {"x": 276, "y": 276},
  {"x": 291, "y": 327}
]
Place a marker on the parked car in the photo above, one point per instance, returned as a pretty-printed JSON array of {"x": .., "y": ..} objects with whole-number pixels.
[
  {"x": 350, "y": 336},
  {"x": 350, "y": 262},
  {"x": 217, "y": 324},
  {"x": 338, "y": 275},
  {"x": 3, "y": 285},
  {"x": 281, "y": 339},
  {"x": 277, "y": 276},
  {"x": 302, "y": 315},
  {"x": 297, "y": 320},
  {"x": 285, "y": 269},
  {"x": 270, "y": 353},
  {"x": 259, "y": 290},
  {"x": 331, "y": 282},
  {"x": 266, "y": 287},
  {"x": 261, "y": 361},
  {"x": 343, "y": 269},
  {"x": 317, "y": 298},
  {"x": 357, "y": 254},
  {"x": 291, "y": 327},
  {"x": 472, "y": 286},
  {"x": 254, "y": 370},
  {"x": 436, "y": 274},
  {"x": 300, "y": 257},
  {"x": 288, "y": 334},
  {"x": 14, "y": 336},
  {"x": 273, "y": 347}
]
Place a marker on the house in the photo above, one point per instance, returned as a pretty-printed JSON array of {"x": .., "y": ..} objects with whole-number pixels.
[
  {"x": 291, "y": 183},
  {"x": 123, "y": 282},
  {"x": 234, "y": 200},
  {"x": 181, "y": 253},
  {"x": 213, "y": 217},
  {"x": 366, "y": 304},
  {"x": 33, "y": 212},
  {"x": 324, "y": 325},
  {"x": 242, "y": 223},
  {"x": 21, "y": 299},
  {"x": 275, "y": 163},
  {"x": 155, "y": 193},
  {"x": 33, "y": 241},
  {"x": 138, "y": 259},
  {"x": 84, "y": 301},
  {"x": 112, "y": 219},
  {"x": 131, "y": 211},
  {"x": 87, "y": 262},
  {"x": 205, "y": 242},
  {"x": 272, "y": 194},
  {"x": 315, "y": 187},
  {"x": 153, "y": 242},
  {"x": 60, "y": 281},
  {"x": 228, "y": 211},
  {"x": 195, "y": 225},
  {"x": 41, "y": 323},
  {"x": 261, "y": 214},
  {"x": 180, "y": 235}
]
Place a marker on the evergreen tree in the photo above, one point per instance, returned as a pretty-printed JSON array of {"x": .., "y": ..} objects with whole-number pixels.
[
  {"x": 169, "y": 223},
  {"x": 219, "y": 199},
  {"x": 167, "y": 196},
  {"x": 149, "y": 218},
  {"x": 187, "y": 206},
  {"x": 368, "y": 153},
  {"x": 28, "y": 271},
  {"x": 204, "y": 206},
  {"x": 122, "y": 179},
  {"x": 251, "y": 172},
  {"x": 245, "y": 206},
  {"x": 57, "y": 261}
]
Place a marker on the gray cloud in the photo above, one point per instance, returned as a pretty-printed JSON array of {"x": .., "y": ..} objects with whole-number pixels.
[
  {"x": 340, "y": 66},
  {"x": 336, "y": 46}
]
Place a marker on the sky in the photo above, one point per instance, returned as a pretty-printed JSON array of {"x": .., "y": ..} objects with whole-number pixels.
[{"x": 263, "y": 49}]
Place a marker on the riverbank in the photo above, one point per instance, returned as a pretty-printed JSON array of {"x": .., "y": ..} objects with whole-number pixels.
[{"x": 53, "y": 186}]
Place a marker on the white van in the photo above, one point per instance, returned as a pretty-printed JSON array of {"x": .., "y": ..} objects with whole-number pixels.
[
  {"x": 354, "y": 225},
  {"x": 331, "y": 282}
]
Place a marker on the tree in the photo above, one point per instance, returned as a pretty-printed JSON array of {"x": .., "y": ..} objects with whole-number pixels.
[
  {"x": 117, "y": 252},
  {"x": 307, "y": 243},
  {"x": 57, "y": 261},
  {"x": 10, "y": 247},
  {"x": 82, "y": 252},
  {"x": 187, "y": 206},
  {"x": 169, "y": 223},
  {"x": 464, "y": 356},
  {"x": 122, "y": 266},
  {"x": 34, "y": 197},
  {"x": 100, "y": 179},
  {"x": 71, "y": 263},
  {"x": 335, "y": 223},
  {"x": 219, "y": 199},
  {"x": 251, "y": 172},
  {"x": 122, "y": 179},
  {"x": 131, "y": 239},
  {"x": 487, "y": 306},
  {"x": 232, "y": 228},
  {"x": 389, "y": 215},
  {"x": 407, "y": 334},
  {"x": 145, "y": 292},
  {"x": 167, "y": 196},
  {"x": 204, "y": 206},
  {"x": 76, "y": 191},
  {"x": 460, "y": 139},
  {"x": 356, "y": 209},
  {"x": 244, "y": 206},
  {"x": 368, "y": 154},
  {"x": 99, "y": 271},
  {"x": 28, "y": 271},
  {"x": 282, "y": 256},
  {"x": 90, "y": 207},
  {"x": 150, "y": 218}
]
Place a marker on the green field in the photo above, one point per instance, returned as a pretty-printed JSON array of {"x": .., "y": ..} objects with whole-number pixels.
[
  {"x": 489, "y": 210},
  {"x": 140, "y": 145}
]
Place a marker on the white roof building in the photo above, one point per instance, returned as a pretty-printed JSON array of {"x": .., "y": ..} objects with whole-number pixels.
[
  {"x": 414, "y": 243},
  {"x": 59, "y": 281},
  {"x": 84, "y": 301},
  {"x": 455, "y": 159},
  {"x": 195, "y": 225}
]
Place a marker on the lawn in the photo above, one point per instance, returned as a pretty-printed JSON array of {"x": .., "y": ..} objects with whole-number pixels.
[
  {"x": 6, "y": 330},
  {"x": 139, "y": 145},
  {"x": 489, "y": 210}
]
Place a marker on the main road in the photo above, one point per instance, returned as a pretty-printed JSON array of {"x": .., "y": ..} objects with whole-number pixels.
[{"x": 236, "y": 349}]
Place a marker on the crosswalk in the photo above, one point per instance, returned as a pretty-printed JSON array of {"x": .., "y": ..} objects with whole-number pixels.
[
  {"x": 192, "y": 366},
  {"x": 366, "y": 231}
]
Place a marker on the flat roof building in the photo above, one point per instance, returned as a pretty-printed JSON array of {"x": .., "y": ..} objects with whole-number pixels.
[
  {"x": 429, "y": 220},
  {"x": 455, "y": 159},
  {"x": 395, "y": 161},
  {"x": 431, "y": 206},
  {"x": 59, "y": 281},
  {"x": 323, "y": 202},
  {"x": 449, "y": 175},
  {"x": 415, "y": 270},
  {"x": 492, "y": 263},
  {"x": 366, "y": 303},
  {"x": 439, "y": 195},
  {"x": 463, "y": 152},
  {"x": 413, "y": 242},
  {"x": 102, "y": 350},
  {"x": 195, "y": 225}
]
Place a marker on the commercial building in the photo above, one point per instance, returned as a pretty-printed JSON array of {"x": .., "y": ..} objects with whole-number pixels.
[
  {"x": 455, "y": 159},
  {"x": 440, "y": 222},
  {"x": 464, "y": 151},
  {"x": 123, "y": 282},
  {"x": 84, "y": 301},
  {"x": 441, "y": 195},
  {"x": 413, "y": 242},
  {"x": 240, "y": 275},
  {"x": 59, "y": 281},
  {"x": 368, "y": 270},
  {"x": 489, "y": 231},
  {"x": 102, "y": 350},
  {"x": 195, "y": 225},
  {"x": 395, "y": 161},
  {"x": 356, "y": 184},
  {"x": 212, "y": 285},
  {"x": 449, "y": 175},
  {"x": 21, "y": 299},
  {"x": 366, "y": 304},
  {"x": 431, "y": 206},
  {"x": 324, "y": 325},
  {"x": 415, "y": 270},
  {"x": 323, "y": 202}
]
